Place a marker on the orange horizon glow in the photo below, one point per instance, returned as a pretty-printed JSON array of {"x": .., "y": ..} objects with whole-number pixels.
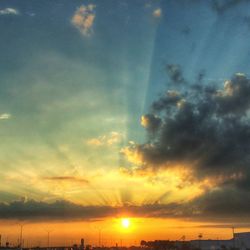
[{"x": 125, "y": 231}]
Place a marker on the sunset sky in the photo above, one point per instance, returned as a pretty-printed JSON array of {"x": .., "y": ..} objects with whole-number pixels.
[{"x": 116, "y": 109}]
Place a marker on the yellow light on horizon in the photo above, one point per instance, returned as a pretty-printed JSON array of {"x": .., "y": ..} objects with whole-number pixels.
[{"x": 125, "y": 222}]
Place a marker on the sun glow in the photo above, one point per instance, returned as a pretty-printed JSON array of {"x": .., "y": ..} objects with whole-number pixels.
[{"x": 125, "y": 222}]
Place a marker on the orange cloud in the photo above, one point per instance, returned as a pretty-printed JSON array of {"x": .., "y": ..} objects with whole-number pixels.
[
  {"x": 106, "y": 140},
  {"x": 83, "y": 19},
  {"x": 132, "y": 154}
]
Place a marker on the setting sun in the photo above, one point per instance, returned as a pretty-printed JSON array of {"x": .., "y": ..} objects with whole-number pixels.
[{"x": 125, "y": 222}]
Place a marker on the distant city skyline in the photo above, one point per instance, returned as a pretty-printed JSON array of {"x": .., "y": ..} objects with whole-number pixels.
[{"x": 239, "y": 240}]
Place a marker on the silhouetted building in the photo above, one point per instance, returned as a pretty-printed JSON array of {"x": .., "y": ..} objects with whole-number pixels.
[
  {"x": 82, "y": 244},
  {"x": 159, "y": 245},
  {"x": 242, "y": 240}
]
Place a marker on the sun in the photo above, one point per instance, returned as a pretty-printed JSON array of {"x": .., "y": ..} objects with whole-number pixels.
[{"x": 125, "y": 222}]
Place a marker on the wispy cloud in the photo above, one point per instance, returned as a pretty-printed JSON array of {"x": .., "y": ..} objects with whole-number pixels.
[
  {"x": 106, "y": 140},
  {"x": 5, "y": 116},
  {"x": 67, "y": 179},
  {"x": 83, "y": 19},
  {"x": 9, "y": 11}
]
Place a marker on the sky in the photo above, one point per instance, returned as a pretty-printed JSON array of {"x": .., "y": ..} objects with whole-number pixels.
[{"x": 124, "y": 109}]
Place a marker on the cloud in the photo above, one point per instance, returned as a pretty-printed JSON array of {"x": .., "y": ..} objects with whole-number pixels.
[
  {"x": 225, "y": 206},
  {"x": 5, "y": 116},
  {"x": 66, "y": 179},
  {"x": 157, "y": 13},
  {"x": 32, "y": 210},
  {"x": 106, "y": 140},
  {"x": 221, "y": 6},
  {"x": 222, "y": 204},
  {"x": 175, "y": 73},
  {"x": 9, "y": 11},
  {"x": 96, "y": 141},
  {"x": 133, "y": 154},
  {"x": 83, "y": 19},
  {"x": 170, "y": 99},
  {"x": 205, "y": 129},
  {"x": 150, "y": 122},
  {"x": 234, "y": 98},
  {"x": 38, "y": 210}
]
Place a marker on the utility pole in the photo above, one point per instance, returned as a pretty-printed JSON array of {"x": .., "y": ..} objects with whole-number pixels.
[
  {"x": 99, "y": 230},
  {"x": 200, "y": 237},
  {"x": 48, "y": 236},
  {"x": 233, "y": 237},
  {"x": 21, "y": 235}
]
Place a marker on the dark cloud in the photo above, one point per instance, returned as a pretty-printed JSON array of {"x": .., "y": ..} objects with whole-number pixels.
[
  {"x": 151, "y": 122},
  {"x": 171, "y": 98},
  {"x": 220, "y": 6},
  {"x": 34, "y": 210},
  {"x": 234, "y": 99},
  {"x": 201, "y": 76},
  {"x": 175, "y": 73},
  {"x": 65, "y": 210},
  {"x": 226, "y": 205},
  {"x": 204, "y": 127}
]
